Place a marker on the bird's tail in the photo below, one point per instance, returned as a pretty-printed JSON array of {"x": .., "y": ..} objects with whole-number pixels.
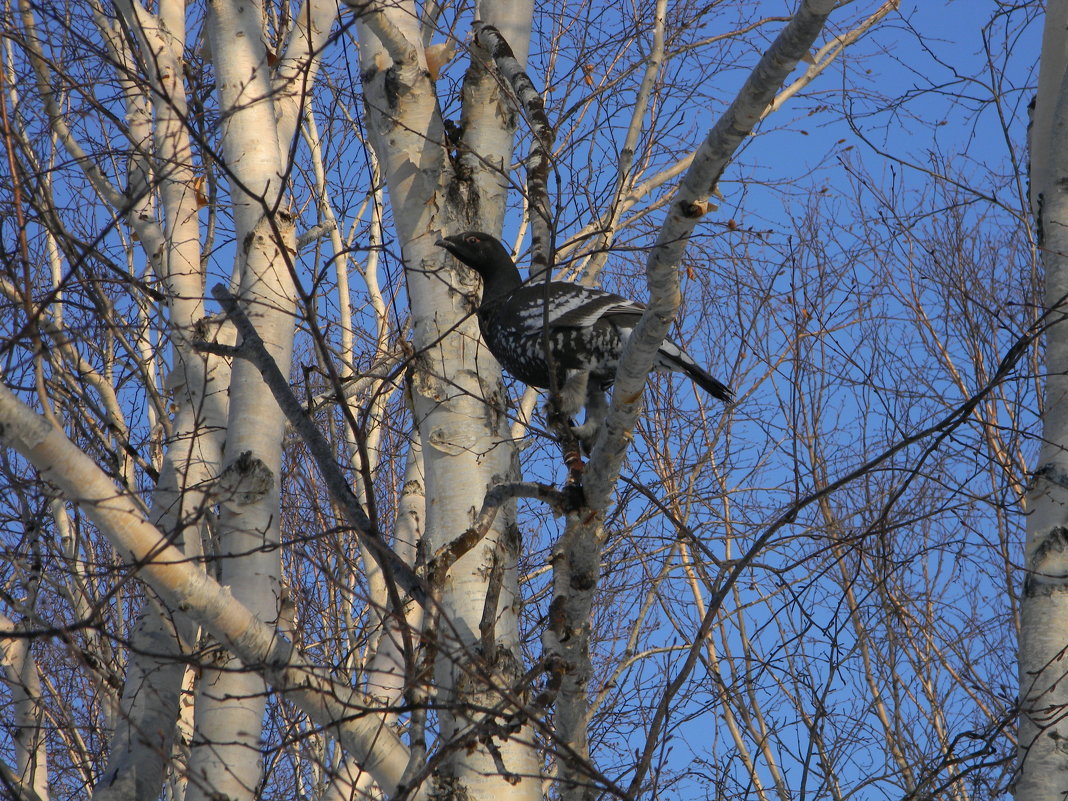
[{"x": 672, "y": 357}]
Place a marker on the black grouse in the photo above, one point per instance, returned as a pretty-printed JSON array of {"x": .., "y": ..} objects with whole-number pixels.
[{"x": 587, "y": 329}]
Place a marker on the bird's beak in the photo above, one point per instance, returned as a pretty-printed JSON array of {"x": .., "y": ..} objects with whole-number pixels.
[{"x": 446, "y": 243}]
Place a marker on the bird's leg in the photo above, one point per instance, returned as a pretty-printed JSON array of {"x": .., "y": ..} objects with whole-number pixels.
[
  {"x": 573, "y": 393},
  {"x": 596, "y": 412},
  {"x": 561, "y": 411}
]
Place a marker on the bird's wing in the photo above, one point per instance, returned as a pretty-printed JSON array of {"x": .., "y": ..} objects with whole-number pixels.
[{"x": 572, "y": 306}]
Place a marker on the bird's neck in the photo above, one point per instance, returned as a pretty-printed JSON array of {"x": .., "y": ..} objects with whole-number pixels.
[{"x": 502, "y": 283}]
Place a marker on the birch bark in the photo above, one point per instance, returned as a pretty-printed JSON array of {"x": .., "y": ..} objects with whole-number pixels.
[
  {"x": 186, "y": 586},
  {"x": 1042, "y": 761},
  {"x": 457, "y": 394},
  {"x": 19, "y": 673},
  {"x": 162, "y": 166},
  {"x": 225, "y": 754}
]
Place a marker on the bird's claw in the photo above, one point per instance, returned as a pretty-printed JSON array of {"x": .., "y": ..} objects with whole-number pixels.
[{"x": 574, "y": 498}]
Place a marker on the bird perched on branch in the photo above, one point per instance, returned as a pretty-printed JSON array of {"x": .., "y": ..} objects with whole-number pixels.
[{"x": 540, "y": 329}]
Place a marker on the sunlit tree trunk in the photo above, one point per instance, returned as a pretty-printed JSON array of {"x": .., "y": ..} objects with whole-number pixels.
[
  {"x": 225, "y": 756},
  {"x": 142, "y": 741},
  {"x": 120, "y": 517},
  {"x": 160, "y": 160},
  {"x": 456, "y": 386},
  {"x": 577, "y": 556},
  {"x": 1043, "y": 766},
  {"x": 20, "y": 675}
]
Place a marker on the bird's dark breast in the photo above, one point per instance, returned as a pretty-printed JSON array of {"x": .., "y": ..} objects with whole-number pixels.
[{"x": 521, "y": 351}]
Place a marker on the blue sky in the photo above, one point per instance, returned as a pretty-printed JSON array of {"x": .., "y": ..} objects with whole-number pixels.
[{"x": 813, "y": 199}]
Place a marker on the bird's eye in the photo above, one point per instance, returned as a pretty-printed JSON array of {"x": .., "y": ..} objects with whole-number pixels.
[{"x": 472, "y": 240}]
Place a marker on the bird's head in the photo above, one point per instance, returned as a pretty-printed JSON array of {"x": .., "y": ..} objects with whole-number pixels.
[{"x": 481, "y": 252}]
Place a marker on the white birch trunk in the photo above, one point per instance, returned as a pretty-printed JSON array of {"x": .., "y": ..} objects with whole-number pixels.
[
  {"x": 387, "y": 677},
  {"x": 225, "y": 754},
  {"x": 184, "y": 585},
  {"x": 142, "y": 741},
  {"x": 1043, "y": 760},
  {"x": 19, "y": 673},
  {"x": 229, "y": 713},
  {"x": 461, "y": 432}
]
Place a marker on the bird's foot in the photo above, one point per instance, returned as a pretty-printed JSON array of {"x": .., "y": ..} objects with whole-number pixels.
[
  {"x": 596, "y": 412},
  {"x": 574, "y": 498},
  {"x": 565, "y": 429}
]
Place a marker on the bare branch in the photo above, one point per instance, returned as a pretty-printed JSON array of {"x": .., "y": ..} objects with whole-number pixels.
[
  {"x": 334, "y": 706},
  {"x": 689, "y": 206},
  {"x": 252, "y": 349},
  {"x": 445, "y": 557},
  {"x": 539, "y": 160}
]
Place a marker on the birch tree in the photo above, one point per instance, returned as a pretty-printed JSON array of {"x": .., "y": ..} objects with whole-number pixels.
[
  {"x": 1042, "y": 629},
  {"x": 278, "y": 526}
]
